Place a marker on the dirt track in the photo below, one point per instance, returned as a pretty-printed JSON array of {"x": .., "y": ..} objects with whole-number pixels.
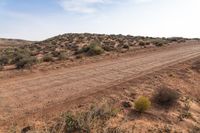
[{"x": 30, "y": 93}]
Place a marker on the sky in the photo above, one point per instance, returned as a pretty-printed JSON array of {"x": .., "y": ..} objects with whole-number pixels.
[{"x": 41, "y": 19}]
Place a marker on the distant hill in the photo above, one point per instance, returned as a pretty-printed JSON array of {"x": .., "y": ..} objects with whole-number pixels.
[{"x": 6, "y": 43}]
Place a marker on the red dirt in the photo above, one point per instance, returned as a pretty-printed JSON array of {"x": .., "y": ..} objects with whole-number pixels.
[{"x": 28, "y": 94}]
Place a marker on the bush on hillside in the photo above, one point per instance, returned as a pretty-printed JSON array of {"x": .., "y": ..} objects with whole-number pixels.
[
  {"x": 4, "y": 60},
  {"x": 62, "y": 56},
  {"x": 93, "y": 49},
  {"x": 48, "y": 58},
  {"x": 26, "y": 62}
]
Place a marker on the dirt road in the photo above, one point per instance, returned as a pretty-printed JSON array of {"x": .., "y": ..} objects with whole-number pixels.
[{"x": 30, "y": 93}]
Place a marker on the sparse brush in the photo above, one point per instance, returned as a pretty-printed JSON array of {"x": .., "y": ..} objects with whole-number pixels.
[
  {"x": 142, "y": 104},
  {"x": 159, "y": 44},
  {"x": 62, "y": 56},
  {"x": 142, "y": 43},
  {"x": 48, "y": 58},
  {"x": 26, "y": 62},
  {"x": 185, "y": 112},
  {"x": 166, "y": 96},
  {"x": 84, "y": 121},
  {"x": 72, "y": 124},
  {"x": 93, "y": 49},
  {"x": 103, "y": 111}
]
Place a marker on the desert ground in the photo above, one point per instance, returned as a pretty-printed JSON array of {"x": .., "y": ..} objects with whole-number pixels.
[{"x": 35, "y": 98}]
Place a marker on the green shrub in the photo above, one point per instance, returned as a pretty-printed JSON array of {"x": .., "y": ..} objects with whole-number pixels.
[
  {"x": 166, "y": 96},
  {"x": 26, "y": 62},
  {"x": 93, "y": 49},
  {"x": 142, "y": 104},
  {"x": 18, "y": 55},
  {"x": 48, "y": 58}
]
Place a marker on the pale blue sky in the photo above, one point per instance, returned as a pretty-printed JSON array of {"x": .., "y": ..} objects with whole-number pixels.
[{"x": 40, "y": 19}]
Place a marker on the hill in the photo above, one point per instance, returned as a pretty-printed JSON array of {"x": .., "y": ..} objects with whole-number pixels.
[{"x": 10, "y": 43}]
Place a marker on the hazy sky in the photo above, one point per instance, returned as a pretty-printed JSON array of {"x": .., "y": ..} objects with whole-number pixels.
[{"x": 40, "y": 19}]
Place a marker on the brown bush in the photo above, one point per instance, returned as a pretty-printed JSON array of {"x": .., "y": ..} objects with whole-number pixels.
[
  {"x": 196, "y": 66},
  {"x": 166, "y": 96}
]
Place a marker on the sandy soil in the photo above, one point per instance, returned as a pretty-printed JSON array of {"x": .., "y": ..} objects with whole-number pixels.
[{"x": 25, "y": 95}]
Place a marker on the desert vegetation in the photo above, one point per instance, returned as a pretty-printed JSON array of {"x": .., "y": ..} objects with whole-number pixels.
[
  {"x": 75, "y": 46},
  {"x": 138, "y": 106},
  {"x": 165, "y": 96},
  {"x": 154, "y": 102}
]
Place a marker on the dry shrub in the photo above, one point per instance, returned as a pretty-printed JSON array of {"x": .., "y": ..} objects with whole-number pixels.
[
  {"x": 142, "y": 104},
  {"x": 95, "y": 117},
  {"x": 166, "y": 96},
  {"x": 72, "y": 124},
  {"x": 196, "y": 66}
]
